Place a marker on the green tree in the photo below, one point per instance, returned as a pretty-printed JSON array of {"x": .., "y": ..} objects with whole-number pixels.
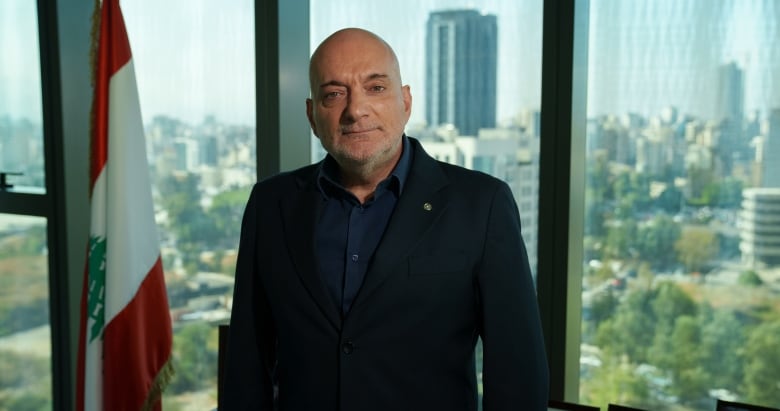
[
  {"x": 696, "y": 247},
  {"x": 621, "y": 186},
  {"x": 749, "y": 278},
  {"x": 690, "y": 381},
  {"x": 726, "y": 193},
  {"x": 27, "y": 401},
  {"x": 640, "y": 185},
  {"x": 30, "y": 241},
  {"x": 698, "y": 180},
  {"x": 195, "y": 357},
  {"x": 599, "y": 274},
  {"x": 594, "y": 215},
  {"x": 671, "y": 302},
  {"x": 633, "y": 322},
  {"x": 656, "y": 241},
  {"x": 722, "y": 340},
  {"x": 670, "y": 200},
  {"x": 644, "y": 276},
  {"x": 603, "y": 307},
  {"x": 226, "y": 211},
  {"x": 186, "y": 218},
  {"x": 616, "y": 382},
  {"x": 598, "y": 176},
  {"x": 762, "y": 367},
  {"x": 625, "y": 207},
  {"x": 621, "y": 239},
  {"x": 600, "y": 309},
  {"x": 25, "y": 382}
]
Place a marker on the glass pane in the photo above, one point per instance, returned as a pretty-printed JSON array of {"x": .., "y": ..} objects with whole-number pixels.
[
  {"x": 195, "y": 69},
  {"x": 21, "y": 130},
  {"x": 25, "y": 338},
  {"x": 493, "y": 128},
  {"x": 680, "y": 299}
]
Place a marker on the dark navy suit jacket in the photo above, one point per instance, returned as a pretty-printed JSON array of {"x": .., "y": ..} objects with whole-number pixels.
[{"x": 451, "y": 266}]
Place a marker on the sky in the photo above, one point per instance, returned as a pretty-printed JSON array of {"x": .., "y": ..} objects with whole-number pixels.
[
  {"x": 20, "y": 80},
  {"x": 196, "y": 57},
  {"x": 203, "y": 63},
  {"x": 217, "y": 36}
]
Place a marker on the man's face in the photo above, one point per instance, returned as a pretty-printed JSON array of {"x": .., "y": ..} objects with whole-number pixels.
[{"x": 358, "y": 108}]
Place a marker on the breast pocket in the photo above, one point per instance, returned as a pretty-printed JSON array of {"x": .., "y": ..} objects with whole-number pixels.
[{"x": 438, "y": 264}]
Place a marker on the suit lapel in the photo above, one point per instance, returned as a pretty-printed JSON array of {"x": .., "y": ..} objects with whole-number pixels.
[
  {"x": 300, "y": 213},
  {"x": 422, "y": 202}
]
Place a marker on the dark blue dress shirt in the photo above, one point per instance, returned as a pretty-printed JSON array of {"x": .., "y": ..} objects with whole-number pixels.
[{"x": 348, "y": 232}]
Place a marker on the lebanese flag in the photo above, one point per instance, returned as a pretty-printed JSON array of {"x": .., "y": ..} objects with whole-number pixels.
[{"x": 125, "y": 334}]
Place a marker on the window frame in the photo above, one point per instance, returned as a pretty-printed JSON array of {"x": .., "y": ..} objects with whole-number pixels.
[
  {"x": 50, "y": 204},
  {"x": 283, "y": 143},
  {"x": 559, "y": 272}
]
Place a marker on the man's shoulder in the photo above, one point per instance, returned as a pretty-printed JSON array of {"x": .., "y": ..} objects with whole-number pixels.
[
  {"x": 287, "y": 181},
  {"x": 293, "y": 178},
  {"x": 460, "y": 172},
  {"x": 455, "y": 173},
  {"x": 463, "y": 177}
]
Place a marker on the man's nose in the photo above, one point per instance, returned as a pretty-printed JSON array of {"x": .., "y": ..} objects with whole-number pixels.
[{"x": 357, "y": 106}]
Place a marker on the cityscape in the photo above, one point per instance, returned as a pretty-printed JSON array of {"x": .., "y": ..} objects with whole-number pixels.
[{"x": 681, "y": 213}]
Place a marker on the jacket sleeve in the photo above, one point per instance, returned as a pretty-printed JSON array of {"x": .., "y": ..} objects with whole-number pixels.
[
  {"x": 251, "y": 353},
  {"x": 515, "y": 371}
]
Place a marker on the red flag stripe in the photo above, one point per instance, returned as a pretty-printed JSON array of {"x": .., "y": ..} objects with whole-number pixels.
[
  {"x": 131, "y": 328},
  {"x": 113, "y": 53}
]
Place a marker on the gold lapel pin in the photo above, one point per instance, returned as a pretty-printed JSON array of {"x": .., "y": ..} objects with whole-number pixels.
[{"x": 427, "y": 207}]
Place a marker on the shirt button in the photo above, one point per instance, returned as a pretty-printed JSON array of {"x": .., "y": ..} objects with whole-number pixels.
[
  {"x": 347, "y": 347},
  {"x": 354, "y": 257}
]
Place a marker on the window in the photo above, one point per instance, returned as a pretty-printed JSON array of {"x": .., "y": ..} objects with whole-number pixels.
[
  {"x": 26, "y": 358},
  {"x": 682, "y": 203},
  {"x": 21, "y": 116},
  {"x": 698, "y": 74},
  {"x": 195, "y": 69},
  {"x": 25, "y": 337}
]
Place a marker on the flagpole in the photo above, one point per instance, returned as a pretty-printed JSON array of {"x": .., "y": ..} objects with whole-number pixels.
[{"x": 80, "y": 367}]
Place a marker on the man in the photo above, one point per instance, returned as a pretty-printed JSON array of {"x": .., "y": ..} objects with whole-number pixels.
[{"x": 364, "y": 281}]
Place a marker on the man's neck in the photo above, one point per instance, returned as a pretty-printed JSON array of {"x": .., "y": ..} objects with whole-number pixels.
[{"x": 363, "y": 185}]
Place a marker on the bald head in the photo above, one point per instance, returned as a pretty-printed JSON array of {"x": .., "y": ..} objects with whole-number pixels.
[
  {"x": 346, "y": 44},
  {"x": 358, "y": 107}
]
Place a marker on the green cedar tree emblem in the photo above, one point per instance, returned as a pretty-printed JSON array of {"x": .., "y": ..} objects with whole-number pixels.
[{"x": 97, "y": 285}]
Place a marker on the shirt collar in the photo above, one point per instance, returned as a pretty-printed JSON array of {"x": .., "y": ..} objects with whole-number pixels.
[{"x": 328, "y": 173}]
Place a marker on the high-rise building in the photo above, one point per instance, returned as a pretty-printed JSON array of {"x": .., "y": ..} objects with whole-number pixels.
[
  {"x": 759, "y": 226},
  {"x": 731, "y": 93},
  {"x": 732, "y": 148},
  {"x": 770, "y": 163},
  {"x": 460, "y": 70}
]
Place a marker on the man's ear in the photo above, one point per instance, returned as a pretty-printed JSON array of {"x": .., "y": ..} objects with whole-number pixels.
[
  {"x": 406, "y": 94},
  {"x": 310, "y": 115}
]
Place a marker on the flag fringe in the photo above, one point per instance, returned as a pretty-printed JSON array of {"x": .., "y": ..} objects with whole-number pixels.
[
  {"x": 161, "y": 381},
  {"x": 94, "y": 37}
]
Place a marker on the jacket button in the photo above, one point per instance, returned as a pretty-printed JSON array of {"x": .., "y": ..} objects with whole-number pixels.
[{"x": 347, "y": 347}]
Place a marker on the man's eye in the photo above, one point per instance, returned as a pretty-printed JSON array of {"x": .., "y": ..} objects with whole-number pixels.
[
  {"x": 377, "y": 89},
  {"x": 331, "y": 95}
]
